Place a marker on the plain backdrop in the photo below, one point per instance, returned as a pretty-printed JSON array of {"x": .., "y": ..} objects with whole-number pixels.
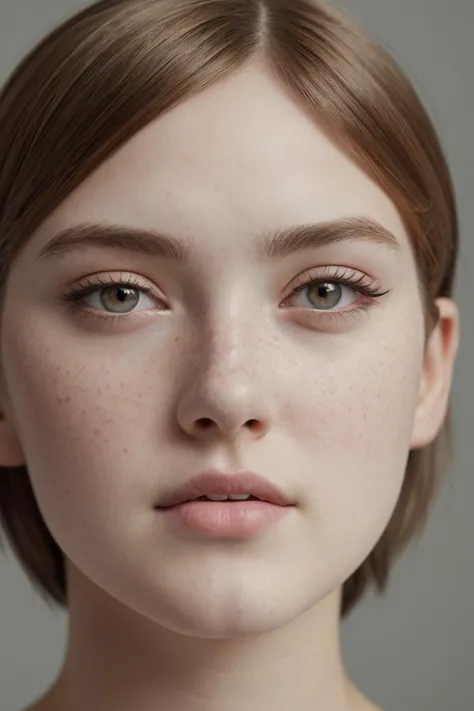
[{"x": 412, "y": 649}]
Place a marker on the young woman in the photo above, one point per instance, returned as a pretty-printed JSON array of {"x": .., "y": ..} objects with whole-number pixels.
[{"x": 228, "y": 241}]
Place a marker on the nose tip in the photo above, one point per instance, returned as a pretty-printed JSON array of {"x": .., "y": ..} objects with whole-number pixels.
[{"x": 225, "y": 410}]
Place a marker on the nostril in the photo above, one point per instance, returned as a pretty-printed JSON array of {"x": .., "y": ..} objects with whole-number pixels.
[
  {"x": 205, "y": 423},
  {"x": 255, "y": 425}
]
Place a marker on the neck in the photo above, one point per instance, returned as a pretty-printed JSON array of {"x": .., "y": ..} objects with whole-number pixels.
[{"x": 118, "y": 659}]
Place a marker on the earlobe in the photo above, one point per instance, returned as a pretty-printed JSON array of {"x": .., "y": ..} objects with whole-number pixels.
[{"x": 437, "y": 375}]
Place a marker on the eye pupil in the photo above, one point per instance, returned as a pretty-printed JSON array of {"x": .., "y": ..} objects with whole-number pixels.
[
  {"x": 329, "y": 293},
  {"x": 120, "y": 294}
]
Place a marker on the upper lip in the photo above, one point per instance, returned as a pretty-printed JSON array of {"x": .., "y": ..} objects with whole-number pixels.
[{"x": 213, "y": 481}]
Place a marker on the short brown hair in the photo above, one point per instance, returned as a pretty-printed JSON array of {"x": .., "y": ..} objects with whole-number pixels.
[{"x": 101, "y": 76}]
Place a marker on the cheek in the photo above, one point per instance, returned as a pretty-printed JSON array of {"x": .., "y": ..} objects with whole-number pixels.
[
  {"x": 354, "y": 421},
  {"x": 84, "y": 421}
]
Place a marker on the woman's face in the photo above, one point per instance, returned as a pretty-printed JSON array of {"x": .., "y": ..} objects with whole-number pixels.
[{"x": 119, "y": 402}]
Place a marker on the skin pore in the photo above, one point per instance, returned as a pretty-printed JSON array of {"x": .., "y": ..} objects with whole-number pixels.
[{"x": 111, "y": 415}]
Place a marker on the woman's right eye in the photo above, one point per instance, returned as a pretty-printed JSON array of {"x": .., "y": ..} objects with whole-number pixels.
[
  {"x": 123, "y": 298},
  {"x": 121, "y": 295}
]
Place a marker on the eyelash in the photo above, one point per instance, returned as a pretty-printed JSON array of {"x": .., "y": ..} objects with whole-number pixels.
[
  {"x": 344, "y": 276},
  {"x": 74, "y": 298}
]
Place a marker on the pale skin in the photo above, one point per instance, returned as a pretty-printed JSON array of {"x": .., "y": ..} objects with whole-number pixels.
[{"x": 107, "y": 414}]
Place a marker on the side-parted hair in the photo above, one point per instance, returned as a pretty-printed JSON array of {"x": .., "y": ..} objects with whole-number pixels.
[{"x": 102, "y": 75}]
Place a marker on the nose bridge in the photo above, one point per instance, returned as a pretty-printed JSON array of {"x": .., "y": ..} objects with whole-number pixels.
[
  {"x": 231, "y": 330},
  {"x": 228, "y": 353},
  {"x": 229, "y": 341}
]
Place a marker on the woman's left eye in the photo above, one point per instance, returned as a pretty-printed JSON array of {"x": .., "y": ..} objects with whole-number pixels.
[{"x": 325, "y": 293}]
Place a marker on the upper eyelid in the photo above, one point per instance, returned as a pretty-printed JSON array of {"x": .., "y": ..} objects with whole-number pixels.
[
  {"x": 303, "y": 279},
  {"x": 334, "y": 272}
]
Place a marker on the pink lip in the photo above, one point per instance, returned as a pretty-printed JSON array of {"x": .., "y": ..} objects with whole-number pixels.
[
  {"x": 226, "y": 519},
  {"x": 213, "y": 481}
]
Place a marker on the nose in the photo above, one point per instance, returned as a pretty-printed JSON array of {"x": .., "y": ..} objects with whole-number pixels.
[
  {"x": 234, "y": 411},
  {"x": 226, "y": 398}
]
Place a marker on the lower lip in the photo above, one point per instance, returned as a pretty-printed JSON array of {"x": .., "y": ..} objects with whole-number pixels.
[{"x": 226, "y": 519}]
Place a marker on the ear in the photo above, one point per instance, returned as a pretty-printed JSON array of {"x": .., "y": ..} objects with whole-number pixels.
[
  {"x": 435, "y": 384},
  {"x": 11, "y": 452}
]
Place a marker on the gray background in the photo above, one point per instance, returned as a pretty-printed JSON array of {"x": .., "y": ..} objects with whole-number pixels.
[{"x": 411, "y": 650}]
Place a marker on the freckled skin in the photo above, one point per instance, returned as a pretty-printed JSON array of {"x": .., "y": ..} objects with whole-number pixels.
[{"x": 108, "y": 416}]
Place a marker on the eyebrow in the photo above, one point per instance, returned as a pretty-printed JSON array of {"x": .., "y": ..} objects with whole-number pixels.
[{"x": 270, "y": 246}]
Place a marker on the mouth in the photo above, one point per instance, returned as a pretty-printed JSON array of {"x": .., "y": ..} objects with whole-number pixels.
[
  {"x": 216, "y": 486},
  {"x": 218, "y": 505}
]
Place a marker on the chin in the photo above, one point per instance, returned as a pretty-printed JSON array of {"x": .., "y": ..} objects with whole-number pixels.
[
  {"x": 215, "y": 625},
  {"x": 229, "y": 614}
]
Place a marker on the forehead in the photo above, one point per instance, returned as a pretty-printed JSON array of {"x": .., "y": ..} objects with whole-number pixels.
[{"x": 243, "y": 154}]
